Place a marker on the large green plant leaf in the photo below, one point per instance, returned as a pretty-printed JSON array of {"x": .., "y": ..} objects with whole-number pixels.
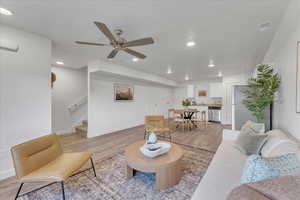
[{"x": 261, "y": 91}]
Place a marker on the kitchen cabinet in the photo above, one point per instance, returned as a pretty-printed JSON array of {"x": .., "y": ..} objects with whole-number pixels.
[
  {"x": 190, "y": 91},
  {"x": 215, "y": 89}
]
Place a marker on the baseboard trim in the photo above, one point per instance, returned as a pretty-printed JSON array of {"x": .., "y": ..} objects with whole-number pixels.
[
  {"x": 64, "y": 132},
  {"x": 6, "y": 173}
]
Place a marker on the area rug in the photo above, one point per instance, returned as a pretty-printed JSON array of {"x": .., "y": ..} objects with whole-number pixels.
[{"x": 111, "y": 182}]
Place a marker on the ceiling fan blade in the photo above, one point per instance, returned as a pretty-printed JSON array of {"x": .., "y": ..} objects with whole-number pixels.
[
  {"x": 103, "y": 28},
  {"x": 139, "y": 42},
  {"x": 112, "y": 54},
  {"x": 134, "y": 53},
  {"x": 90, "y": 43}
]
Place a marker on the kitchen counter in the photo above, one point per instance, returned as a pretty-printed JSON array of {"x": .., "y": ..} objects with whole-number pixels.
[{"x": 203, "y": 104}]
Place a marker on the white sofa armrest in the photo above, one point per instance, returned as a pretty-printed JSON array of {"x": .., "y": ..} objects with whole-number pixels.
[{"x": 230, "y": 134}]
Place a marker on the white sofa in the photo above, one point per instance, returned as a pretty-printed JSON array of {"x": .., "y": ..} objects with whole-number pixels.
[{"x": 226, "y": 168}]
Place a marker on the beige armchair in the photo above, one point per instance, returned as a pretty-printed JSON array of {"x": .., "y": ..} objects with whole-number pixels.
[{"x": 42, "y": 159}]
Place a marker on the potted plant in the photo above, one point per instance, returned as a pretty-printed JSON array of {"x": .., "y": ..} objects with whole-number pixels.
[
  {"x": 186, "y": 103},
  {"x": 261, "y": 92}
]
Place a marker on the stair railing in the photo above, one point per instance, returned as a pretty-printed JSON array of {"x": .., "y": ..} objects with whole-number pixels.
[{"x": 75, "y": 106}]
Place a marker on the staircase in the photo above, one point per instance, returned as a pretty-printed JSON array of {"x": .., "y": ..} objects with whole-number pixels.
[{"x": 82, "y": 128}]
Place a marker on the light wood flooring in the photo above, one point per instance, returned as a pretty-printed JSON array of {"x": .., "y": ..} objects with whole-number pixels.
[{"x": 105, "y": 145}]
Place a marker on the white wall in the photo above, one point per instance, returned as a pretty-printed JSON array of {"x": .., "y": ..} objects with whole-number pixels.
[
  {"x": 24, "y": 92},
  {"x": 283, "y": 53},
  {"x": 69, "y": 88},
  {"x": 106, "y": 115}
]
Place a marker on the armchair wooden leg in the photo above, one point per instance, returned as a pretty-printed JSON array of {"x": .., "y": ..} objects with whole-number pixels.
[
  {"x": 63, "y": 190},
  {"x": 19, "y": 190},
  {"x": 93, "y": 167}
]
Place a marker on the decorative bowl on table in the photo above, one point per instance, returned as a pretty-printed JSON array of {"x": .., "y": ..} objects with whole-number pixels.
[{"x": 154, "y": 150}]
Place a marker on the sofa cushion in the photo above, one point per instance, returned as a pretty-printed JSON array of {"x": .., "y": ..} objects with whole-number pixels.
[
  {"x": 245, "y": 192},
  {"x": 278, "y": 144},
  {"x": 223, "y": 174},
  {"x": 258, "y": 168},
  {"x": 283, "y": 188},
  {"x": 248, "y": 142}
]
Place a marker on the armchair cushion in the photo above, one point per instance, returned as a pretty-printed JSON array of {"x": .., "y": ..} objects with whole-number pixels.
[
  {"x": 30, "y": 156},
  {"x": 59, "y": 169}
]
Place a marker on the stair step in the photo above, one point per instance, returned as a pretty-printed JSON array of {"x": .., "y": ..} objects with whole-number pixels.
[{"x": 82, "y": 130}]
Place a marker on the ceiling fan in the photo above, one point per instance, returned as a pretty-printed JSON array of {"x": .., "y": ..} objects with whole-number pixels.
[{"x": 118, "y": 42}]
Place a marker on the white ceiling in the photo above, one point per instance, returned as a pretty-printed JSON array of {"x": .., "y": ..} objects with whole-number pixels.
[{"x": 225, "y": 30}]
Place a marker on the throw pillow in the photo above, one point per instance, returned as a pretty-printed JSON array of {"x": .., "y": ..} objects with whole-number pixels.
[
  {"x": 256, "y": 127},
  {"x": 248, "y": 142},
  {"x": 258, "y": 168},
  {"x": 279, "y": 144}
]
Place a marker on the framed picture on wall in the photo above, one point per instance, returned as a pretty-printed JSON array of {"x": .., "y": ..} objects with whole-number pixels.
[
  {"x": 202, "y": 93},
  {"x": 298, "y": 79},
  {"x": 123, "y": 92}
]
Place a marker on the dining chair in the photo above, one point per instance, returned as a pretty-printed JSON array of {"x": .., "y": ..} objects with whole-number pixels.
[
  {"x": 171, "y": 113},
  {"x": 191, "y": 116},
  {"x": 158, "y": 124},
  {"x": 200, "y": 119},
  {"x": 171, "y": 116},
  {"x": 179, "y": 120}
]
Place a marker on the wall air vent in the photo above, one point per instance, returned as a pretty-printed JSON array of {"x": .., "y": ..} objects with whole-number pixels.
[
  {"x": 9, "y": 45},
  {"x": 265, "y": 26}
]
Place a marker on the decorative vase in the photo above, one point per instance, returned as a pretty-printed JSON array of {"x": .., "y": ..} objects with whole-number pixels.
[{"x": 152, "y": 138}]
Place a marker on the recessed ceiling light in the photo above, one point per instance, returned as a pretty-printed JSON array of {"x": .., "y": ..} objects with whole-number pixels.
[
  {"x": 169, "y": 70},
  {"x": 220, "y": 74},
  {"x": 190, "y": 44},
  {"x": 60, "y": 62},
  {"x": 186, "y": 77},
  {"x": 135, "y": 59},
  {"x": 4, "y": 11},
  {"x": 211, "y": 63}
]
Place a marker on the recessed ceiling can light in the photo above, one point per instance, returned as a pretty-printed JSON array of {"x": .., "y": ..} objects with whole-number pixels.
[
  {"x": 190, "y": 44},
  {"x": 186, "y": 77},
  {"x": 211, "y": 63},
  {"x": 60, "y": 62},
  {"x": 4, "y": 11},
  {"x": 135, "y": 59},
  {"x": 169, "y": 70}
]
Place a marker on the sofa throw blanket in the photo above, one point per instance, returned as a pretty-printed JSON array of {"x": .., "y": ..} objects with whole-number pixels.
[{"x": 283, "y": 188}]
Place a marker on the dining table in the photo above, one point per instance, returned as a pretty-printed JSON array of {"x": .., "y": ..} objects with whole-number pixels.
[{"x": 187, "y": 115}]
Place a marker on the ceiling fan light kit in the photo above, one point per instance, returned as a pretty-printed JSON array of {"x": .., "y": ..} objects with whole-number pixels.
[{"x": 119, "y": 43}]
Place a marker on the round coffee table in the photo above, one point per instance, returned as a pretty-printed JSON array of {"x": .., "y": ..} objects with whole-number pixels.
[{"x": 167, "y": 167}]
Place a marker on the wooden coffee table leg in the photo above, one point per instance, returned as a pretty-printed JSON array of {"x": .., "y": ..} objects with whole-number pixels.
[
  {"x": 130, "y": 172},
  {"x": 169, "y": 176}
]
